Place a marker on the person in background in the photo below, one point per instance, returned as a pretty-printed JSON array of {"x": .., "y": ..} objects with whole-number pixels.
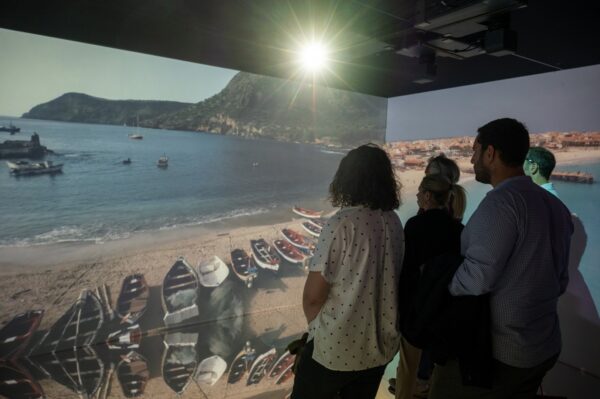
[
  {"x": 447, "y": 167},
  {"x": 350, "y": 297},
  {"x": 515, "y": 247},
  {"x": 539, "y": 165},
  {"x": 442, "y": 165},
  {"x": 431, "y": 233}
]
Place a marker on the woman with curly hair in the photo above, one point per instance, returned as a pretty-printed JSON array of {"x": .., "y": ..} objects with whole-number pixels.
[{"x": 350, "y": 297}]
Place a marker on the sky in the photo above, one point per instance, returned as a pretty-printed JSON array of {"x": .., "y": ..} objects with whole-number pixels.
[
  {"x": 567, "y": 100},
  {"x": 35, "y": 69}
]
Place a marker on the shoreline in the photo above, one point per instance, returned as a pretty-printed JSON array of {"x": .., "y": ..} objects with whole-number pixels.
[{"x": 65, "y": 255}]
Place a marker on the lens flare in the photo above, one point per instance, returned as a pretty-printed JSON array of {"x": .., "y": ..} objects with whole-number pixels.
[{"x": 313, "y": 57}]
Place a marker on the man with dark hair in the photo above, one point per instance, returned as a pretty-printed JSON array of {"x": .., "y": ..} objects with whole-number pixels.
[
  {"x": 539, "y": 165},
  {"x": 516, "y": 248}
]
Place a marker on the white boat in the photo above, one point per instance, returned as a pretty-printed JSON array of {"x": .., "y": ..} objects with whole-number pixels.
[
  {"x": 210, "y": 370},
  {"x": 34, "y": 168},
  {"x": 212, "y": 272},
  {"x": 136, "y": 137},
  {"x": 163, "y": 162},
  {"x": 307, "y": 213},
  {"x": 264, "y": 255}
]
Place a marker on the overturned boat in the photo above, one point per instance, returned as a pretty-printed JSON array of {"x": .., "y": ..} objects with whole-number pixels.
[
  {"x": 133, "y": 374},
  {"x": 210, "y": 370},
  {"x": 307, "y": 213},
  {"x": 243, "y": 266},
  {"x": 212, "y": 272},
  {"x": 264, "y": 256},
  {"x": 179, "y": 360},
  {"x": 16, "y": 334},
  {"x": 285, "y": 375},
  {"x": 179, "y": 293},
  {"x": 260, "y": 366},
  {"x": 133, "y": 298},
  {"x": 288, "y": 251}
]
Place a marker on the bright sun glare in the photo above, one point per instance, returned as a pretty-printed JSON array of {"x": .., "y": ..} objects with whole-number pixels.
[{"x": 313, "y": 57}]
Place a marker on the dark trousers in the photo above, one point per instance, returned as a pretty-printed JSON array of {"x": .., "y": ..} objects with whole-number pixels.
[
  {"x": 508, "y": 382},
  {"x": 314, "y": 381}
]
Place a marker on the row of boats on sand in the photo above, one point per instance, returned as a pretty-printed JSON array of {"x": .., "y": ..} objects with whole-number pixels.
[{"x": 67, "y": 352}]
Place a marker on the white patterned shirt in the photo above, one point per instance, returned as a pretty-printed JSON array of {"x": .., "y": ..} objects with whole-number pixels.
[
  {"x": 359, "y": 253},
  {"x": 516, "y": 247}
]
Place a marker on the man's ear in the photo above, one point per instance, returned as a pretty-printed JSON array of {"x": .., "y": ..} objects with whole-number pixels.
[
  {"x": 490, "y": 153},
  {"x": 534, "y": 168}
]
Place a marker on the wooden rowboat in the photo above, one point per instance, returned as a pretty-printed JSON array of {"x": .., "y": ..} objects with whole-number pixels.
[
  {"x": 264, "y": 255},
  {"x": 243, "y": 266},
  {"x": 133, "y": 374},
  {"x": 179, "y": 293},
  {"x": 307, "y": 213},
  {"x": 288, "y": 251},
  {"x": 17, "y": 333},
  {"x": 260, "y": 366},
  {"x": 296, "y": 239},
  {"x": 133, "y": 298}
]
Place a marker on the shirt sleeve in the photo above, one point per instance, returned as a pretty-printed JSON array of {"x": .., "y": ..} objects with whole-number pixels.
[
  {"x": 330, "y": 248},
  {"x": 491, "y": 235}
]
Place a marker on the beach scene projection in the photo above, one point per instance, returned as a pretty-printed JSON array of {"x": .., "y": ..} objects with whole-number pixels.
[
  {"x": 157, "y": 218},
  {"x": 559, "y": 109}
]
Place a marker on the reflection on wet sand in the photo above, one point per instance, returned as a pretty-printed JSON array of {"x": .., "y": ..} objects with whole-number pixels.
[{"x": 196, "y": 334}]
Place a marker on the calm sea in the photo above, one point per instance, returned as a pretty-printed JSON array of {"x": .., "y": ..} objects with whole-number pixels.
[{"x": 97, "y": 198}]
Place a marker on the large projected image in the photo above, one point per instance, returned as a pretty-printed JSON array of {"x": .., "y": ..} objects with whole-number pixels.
[
  {"x": 157, "y": 218},
  {"x": 559, "y": 110}
]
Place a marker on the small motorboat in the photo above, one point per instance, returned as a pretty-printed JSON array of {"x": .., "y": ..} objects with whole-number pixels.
[
  {"x": 128, "y": 337},
  {"x": 21, "y": 168},
  {"x": 307, "y": 213},
  {"x": 126, "y": 161},
  {"x": 243, "y": 266},
  {"x": 260, "y": 366},
  {"x": 12, "y": 129},
  {"x": 133, "y": 374},
  {"x": 210, "y": 370},
  {"x": 288, "y": 251},
  {"x": 133, "y": 298},
  {"x": 284, "y": 361},
  {"x": 264, "y": 256},
  {"x": 241, "y": 364},
  {"x": 136, "y": 136},
  {"x": 180, "y": 292},
  {"x": 212, "y": 272},
  {"x": 312, "y": 229},
  {"x": 17, "y": 333},
  {"x": 163, "y": 162},
  {"x": 296, "y": 239}
]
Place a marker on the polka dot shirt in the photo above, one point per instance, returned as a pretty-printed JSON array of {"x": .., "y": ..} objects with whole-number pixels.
[{"x": 359, "y": 253}]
